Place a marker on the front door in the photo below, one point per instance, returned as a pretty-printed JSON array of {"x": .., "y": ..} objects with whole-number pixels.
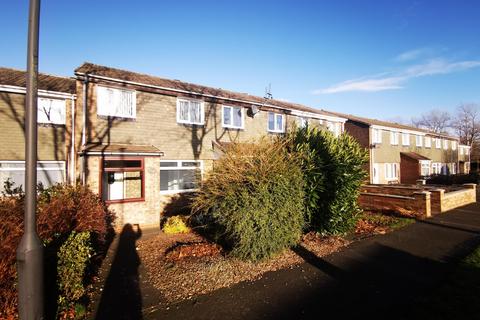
[{"x": 376, "y": 173}]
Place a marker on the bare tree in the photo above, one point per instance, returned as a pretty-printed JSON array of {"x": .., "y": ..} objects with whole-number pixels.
[
  {"x": 436, "y": 120},
  {"x": 466, "y": 123}
]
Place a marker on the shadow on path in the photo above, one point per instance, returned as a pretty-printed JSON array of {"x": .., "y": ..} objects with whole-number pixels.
[{"x": 121, "y": 297}]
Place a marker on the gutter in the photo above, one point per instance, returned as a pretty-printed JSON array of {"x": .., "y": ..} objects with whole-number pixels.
[
  {"x": 72, "y": 144},
  {"x": 84, "y": 126}
]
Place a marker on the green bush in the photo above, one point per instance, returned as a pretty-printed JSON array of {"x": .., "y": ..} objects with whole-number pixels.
[
  {"x": 73, "y": 259},
  {"x": 254, "y": 198},
  {"x": 334, "y": 171}
]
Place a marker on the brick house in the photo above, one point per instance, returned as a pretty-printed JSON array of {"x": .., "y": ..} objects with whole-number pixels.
[
  {"x": 403, "y": 154},
  {"x": 56, "y": 97},
  {"x": 142, "y": 141}
]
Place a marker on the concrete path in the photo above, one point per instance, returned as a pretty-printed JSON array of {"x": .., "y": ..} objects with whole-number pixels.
[{"x": 376, "y": 277}]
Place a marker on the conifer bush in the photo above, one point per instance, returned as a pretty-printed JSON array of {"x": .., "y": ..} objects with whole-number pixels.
[
  {"x": 333, "y": 168},
  {"x": 254, "y": 198}
]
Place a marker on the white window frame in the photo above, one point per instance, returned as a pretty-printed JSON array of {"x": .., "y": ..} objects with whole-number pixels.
[
  {"x": 461, "y": 150},
  {"x": 436, "y": 168},
  {"x": 112, "y": 110},
  {"x": 394, "y": 138},
  {"x": 428, "y": 142},
  {"x": 391, "y": 171},
  {"x": 231, "y": 125},
  {"x": 46, "y": 116},
  {"x": 418, "y": 140},
  {"x": 438, "y": 143},
  {"x": 467, "y": 151},
  {"x": 425, "y": 164},
  {"x": 302, "y": 122},
  {"x": 454, "y": 145},
  {"x": 189, "y": 121},
  {"x": 377, "y": 135},
  {"x": 445, "y": 144},
  {"x": 275, "y": 115},
  {"x": 405, "y": 139},
  {"x": 39, "y": 167},
  {"x": 180, "y": 167}
]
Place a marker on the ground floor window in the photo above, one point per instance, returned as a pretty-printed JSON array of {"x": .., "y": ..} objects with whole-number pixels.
[
  {"x": 391, "y": 171},
  {"x": 425, "y": 168},
  {"x": 122, "y": 180},
  {"x": 48, "y": 173},
  {"x": 179, "y": 176},
  {"x": 436, "y": 168}
]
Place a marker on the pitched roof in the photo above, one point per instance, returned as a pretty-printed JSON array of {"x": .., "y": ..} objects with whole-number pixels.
[
  {"x": 376, "y": 122},
  {"x": 414, "y": 156},
  {"x": 93, "y": 69},
  {"x": 18, "y": 78}
]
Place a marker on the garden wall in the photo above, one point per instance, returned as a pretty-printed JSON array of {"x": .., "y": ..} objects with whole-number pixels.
[{"x": 414, "y": 198}]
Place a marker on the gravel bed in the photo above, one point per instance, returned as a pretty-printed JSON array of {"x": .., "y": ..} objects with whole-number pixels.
[{"x": 187, "y": 278}]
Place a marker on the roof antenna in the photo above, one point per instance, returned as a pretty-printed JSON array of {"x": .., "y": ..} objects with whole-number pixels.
[{"x": 268, "y": 92}]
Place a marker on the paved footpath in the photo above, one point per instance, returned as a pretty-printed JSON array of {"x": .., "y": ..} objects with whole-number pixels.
[{"x": 375, "y": 277}]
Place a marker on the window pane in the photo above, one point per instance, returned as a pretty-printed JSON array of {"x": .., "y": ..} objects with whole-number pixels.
[
  {"x": 190, "y": 164},
  {"x": 183, "y": 113},
  {"x": 271, "y": 121},
  {"x": 168, "y": 164},
  {"x": 279, "y": 122},
  {"x": 227, "y": 117},
  {"x": 237, "y": 117},
  {"x": 184, "y": 179},
  {"x": 122, "y": 163},
  {"x": 195, "y": 112},
  {"x": 133, "y": 184}
]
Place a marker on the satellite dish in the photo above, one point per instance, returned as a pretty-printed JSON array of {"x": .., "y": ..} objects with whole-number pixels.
[{"x": 254, "y": 110}]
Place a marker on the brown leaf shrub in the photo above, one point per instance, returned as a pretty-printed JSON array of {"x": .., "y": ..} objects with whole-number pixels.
[{"x": 61, "y": 209}]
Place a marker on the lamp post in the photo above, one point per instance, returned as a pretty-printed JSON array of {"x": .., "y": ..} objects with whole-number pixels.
[{"x": 30, "y": 250}]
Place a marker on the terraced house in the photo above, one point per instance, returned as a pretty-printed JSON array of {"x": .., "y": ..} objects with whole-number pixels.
[
  {"x": 142, "y": 141},
  {"x": 404, "y": 154},
  {"x": 56, "y": 99}
]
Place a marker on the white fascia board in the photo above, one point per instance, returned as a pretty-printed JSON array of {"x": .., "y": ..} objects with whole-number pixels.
[
  {"x": 41, "y": 93},
  {"x": 418, "y": 133},
  {"x": 317, "y": 116},
  {"x": 196, "y": 93}
]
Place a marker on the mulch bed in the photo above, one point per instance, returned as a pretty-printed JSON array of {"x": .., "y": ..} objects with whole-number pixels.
[{"x": 182, "y": 266}]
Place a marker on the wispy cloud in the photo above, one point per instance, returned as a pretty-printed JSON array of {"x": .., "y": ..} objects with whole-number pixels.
[
  {"x": 396, "y": 80},
  {"x": 412, "y": 54}
]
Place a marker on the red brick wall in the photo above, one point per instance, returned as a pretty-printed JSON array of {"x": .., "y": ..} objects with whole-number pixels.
[{"x": 409, "y": 170}]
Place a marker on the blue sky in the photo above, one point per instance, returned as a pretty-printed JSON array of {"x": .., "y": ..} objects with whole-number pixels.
[{"x": 382, "y": 59}]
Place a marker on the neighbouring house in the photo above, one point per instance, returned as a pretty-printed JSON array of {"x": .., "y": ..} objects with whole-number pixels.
[
  {"x": 56, "y": 96},
  {"x": 404, "y": 154},
  {"x": 143, "y": 141}
]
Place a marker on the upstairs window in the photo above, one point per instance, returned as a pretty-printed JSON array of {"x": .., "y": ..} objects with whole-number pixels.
[
  {"x": 190, "y": 111},
  {"x": 418, "y": 141},
  {"x": 276, "y": 122},
  {"x": 51, "y": 111},
  {"x": 445, "y": 144},
  {"x": 335, "y": 128},
  {"x": 303, "y": 122},
  {"x": 405, "y": 139},
  {"x": 119, "y": 103},
  {"x": 377, "y": 136},
  {"x": 454, "y": 145},
  {"x": 467, "y": 150},
  {"x": 428, "y": 142},
  {"x": 232, "y": 117},
  {"x": 461, "y": 151},
  {"x": 393, "y": 138},
  {"x": 438, "y": 143}
]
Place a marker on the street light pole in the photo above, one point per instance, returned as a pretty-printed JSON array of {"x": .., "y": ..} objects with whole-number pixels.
[{"x": 30, "y": 250}]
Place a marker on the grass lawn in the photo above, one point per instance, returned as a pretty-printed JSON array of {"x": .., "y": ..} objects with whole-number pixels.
[{"x": 458, "y": 298}]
